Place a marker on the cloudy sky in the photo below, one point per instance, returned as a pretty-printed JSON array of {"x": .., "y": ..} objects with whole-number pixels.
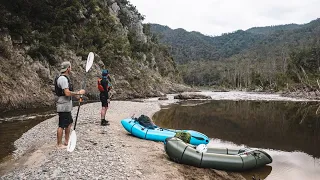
[{"x": 213, "y": 17}]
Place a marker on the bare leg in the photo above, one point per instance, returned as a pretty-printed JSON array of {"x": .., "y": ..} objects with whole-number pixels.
[
  {"x": 103, "y": 112},
  {"x": 106, "y": 111},
  {"x": 67, "y": 134},
  {"x": 104, "y": 122},
  {"x": 59, "y": 136}
]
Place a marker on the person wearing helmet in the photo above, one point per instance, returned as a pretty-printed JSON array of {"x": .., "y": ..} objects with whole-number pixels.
[{"x": 104, "y": 86}]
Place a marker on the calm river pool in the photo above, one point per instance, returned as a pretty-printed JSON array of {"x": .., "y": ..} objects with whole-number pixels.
[{"x": 288, "y": 131}]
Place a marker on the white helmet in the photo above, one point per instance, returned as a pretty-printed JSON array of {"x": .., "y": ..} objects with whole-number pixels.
[{"x": 202, "y": 148}]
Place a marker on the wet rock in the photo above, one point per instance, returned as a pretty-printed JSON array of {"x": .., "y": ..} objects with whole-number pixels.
[
  {"x": 185, "y": 96},
  {"x": 163, "y": 98}
]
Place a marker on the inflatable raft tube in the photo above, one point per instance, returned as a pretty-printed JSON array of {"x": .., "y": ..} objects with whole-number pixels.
[
  {"x": 160, "y": 134},
  {"x": 216, "y": 158}
]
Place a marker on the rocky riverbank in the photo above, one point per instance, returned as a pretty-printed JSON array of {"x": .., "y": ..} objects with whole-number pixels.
[{"x": 101, "y": 152}]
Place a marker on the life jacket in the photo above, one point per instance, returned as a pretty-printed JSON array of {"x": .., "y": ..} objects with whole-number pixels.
[
  {"x": 58, "y": 91},
  {"x": 100, "y": 87}
]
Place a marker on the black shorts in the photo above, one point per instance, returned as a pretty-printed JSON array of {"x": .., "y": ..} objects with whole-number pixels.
[
  {"x": 104, "y": 100},
  {"x": 65, "y": 119}
]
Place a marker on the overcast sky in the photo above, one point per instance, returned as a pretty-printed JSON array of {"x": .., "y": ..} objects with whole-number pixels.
[{"x": 213, "y": 17}]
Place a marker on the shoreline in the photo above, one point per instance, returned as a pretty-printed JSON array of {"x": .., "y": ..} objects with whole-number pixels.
[
  {"x": 101, "y": 152},
  {"x": 283, "y": 95}
]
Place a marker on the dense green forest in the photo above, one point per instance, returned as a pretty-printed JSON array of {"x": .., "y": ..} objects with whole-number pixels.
[
  {"x": 82, "y": 26},
  {"x": 37, "y": 35},
  {"x": 284, "y": 57},
  {"x": 46, "y": 25}
]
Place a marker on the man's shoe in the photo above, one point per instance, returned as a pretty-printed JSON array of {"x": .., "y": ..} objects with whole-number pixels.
[
  {"x": 107, "y": 122},
  {"x": 104, "y": 122}
]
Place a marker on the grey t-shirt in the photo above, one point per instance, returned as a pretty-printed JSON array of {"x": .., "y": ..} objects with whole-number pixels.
[{"x": 64, "y": 103}]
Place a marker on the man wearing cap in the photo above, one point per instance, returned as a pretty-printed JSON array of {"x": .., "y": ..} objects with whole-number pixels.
[
  {"x": 105, "y": 86},
  {"x": 64, "y": 91}
]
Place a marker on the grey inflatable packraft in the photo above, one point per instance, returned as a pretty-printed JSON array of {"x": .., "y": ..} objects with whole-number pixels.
[{"x": 216, "y": 158}]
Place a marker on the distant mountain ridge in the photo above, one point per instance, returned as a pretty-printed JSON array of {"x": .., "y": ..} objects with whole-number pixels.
[
  {"x": 273, "y": 29},
  {"x": 188, "y": 46}
]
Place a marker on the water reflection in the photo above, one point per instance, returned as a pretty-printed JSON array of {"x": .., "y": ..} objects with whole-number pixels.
[
  {"x": 285, "y": 165},
  {"x": 261, "y": 173},
  {"x": 287, "y": 126},
  {"x": 290, "y": 129}
]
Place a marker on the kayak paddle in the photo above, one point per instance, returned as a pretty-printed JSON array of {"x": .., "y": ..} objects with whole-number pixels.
[{"x": 73, "y": 137}]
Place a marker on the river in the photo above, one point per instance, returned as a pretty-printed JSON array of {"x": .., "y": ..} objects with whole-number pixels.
[{"x": 288, "y": 129}]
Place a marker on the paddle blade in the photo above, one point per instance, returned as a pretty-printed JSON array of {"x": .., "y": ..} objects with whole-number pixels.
[
  {"x": 89, "y": 61},
  {"x": 72, "y": 141}
]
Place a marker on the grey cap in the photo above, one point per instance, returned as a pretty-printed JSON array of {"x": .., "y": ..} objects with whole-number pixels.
[{"x": 64, "y": 66}]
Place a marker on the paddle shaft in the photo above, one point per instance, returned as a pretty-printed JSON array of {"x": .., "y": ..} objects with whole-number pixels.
[
  {"x": 85, "y": 81},
  {"x": 80, "y": 99},
  {"x": 75, "y": 123},
  {"x": 73, "y": 137}
]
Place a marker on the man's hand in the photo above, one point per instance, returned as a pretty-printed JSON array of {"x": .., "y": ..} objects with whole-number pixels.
[
  {"x": 108, "y": 100},
  {"x": 82, "y": 91}
]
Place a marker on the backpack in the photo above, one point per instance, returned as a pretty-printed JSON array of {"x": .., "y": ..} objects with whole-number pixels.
[
  {"x": 58, "y": 91},
  {"x": 100, "y": 87},
  {"x": 146, "y": 122}
]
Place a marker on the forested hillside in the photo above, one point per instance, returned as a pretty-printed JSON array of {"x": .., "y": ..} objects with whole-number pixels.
[
  {"x": 188, "y": 46},
  {"x": 282, "y": 57},
  {"x": 37, "y": 35},
  {"x": 273, "y": 29}
]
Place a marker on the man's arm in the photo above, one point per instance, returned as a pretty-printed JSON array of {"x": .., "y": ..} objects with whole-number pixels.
[
  {"x": 67, "y": 92},
  {"x": 63, "y": 82}
]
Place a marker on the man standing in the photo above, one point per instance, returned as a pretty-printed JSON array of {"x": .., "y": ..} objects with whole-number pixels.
[
  {"x": 64, "y": 91},
  {"x": 104, "y": 86}
]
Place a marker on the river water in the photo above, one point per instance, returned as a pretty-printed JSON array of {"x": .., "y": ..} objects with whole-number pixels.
[
  {"x": 288, "y": 130},
  {"x": 14, "y": 124}
]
